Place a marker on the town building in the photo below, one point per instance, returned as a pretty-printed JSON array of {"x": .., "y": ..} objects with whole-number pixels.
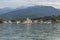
[
  {"x": 35, "y": 21},
  {"x": 5, "y": 22},
  {"x": 17, "y": 22},
  {"x": 28, "y": 21},
  {"x": 9, "y": 21}
]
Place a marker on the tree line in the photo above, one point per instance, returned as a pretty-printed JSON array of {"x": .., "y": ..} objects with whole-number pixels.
[{"x": 45, "y": 18}]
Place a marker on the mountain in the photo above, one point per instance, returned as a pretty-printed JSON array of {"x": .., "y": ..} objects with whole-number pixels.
[
  {"x": 5, "y": 10},
  {"x": 32, "y": 12}
]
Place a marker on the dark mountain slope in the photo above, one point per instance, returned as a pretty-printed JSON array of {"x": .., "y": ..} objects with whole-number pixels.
[{"x": 32, "y": 12}]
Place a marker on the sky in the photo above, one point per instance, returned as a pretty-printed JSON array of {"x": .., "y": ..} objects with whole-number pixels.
[{"x": 27, "y": 3}]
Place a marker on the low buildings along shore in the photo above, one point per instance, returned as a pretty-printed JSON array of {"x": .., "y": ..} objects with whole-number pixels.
[{"x": 28, "y": 21}]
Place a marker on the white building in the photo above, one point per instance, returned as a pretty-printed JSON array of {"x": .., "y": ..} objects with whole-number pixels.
[
  {"x": 9, "y": 21},
  {"x": 5, "y": 22},
  {"x": 28, "y": 21},
  {"x": 35, "y": 21},
  {"x": 48, "y": 22},
  {"x": 17, "y": 22},
  {"x": 41, "y": 21}
]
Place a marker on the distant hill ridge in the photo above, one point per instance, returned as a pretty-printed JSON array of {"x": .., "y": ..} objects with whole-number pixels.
[{"x": 32, "y": 12}]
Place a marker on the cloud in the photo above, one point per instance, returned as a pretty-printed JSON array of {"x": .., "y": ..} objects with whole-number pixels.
[
  {"x": 26, "y": 3},
  {"x": 54, "y": 4}
]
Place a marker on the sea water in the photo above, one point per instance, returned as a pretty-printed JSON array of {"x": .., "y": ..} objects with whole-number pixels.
[{"x": 30, "y": 31}]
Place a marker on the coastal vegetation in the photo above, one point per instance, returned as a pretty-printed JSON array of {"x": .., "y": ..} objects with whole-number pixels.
[
  {"x": 47, "y": 18},
  {"x": 53, "y": 19},
  {"x": 1, "y": 20}
]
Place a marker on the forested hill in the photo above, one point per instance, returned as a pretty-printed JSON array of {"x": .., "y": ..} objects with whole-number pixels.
[{"x": 32, "y": 12}]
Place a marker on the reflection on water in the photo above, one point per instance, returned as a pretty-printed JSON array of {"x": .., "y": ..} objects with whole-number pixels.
[{"x": 30, "y": 31}]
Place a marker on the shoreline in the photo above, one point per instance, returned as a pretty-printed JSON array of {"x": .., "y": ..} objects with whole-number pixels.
[{"x": 31, "y": 23}]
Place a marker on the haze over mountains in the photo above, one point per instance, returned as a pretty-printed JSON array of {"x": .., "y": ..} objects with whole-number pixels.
[
  {"x": 5, "y": 10},
  {"x": 31, "y": 12}
]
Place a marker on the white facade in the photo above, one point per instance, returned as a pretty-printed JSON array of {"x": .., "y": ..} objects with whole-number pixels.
[
  {"x": 28, "y": 21},
  {"x": 41, "y": 21},
  {"x": 18, "y": 22},
  {"x": 5, "y": 22},
  {"x": 48, "y": 22},
  {"x": 35, "y": 21},
  {"x": 9, "y": 21}
]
